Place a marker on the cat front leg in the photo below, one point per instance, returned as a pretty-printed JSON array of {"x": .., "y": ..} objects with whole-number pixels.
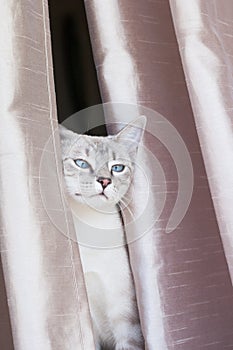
[
  {"x": 128, "y": 336},
  {"x": 129, "y": 346}
]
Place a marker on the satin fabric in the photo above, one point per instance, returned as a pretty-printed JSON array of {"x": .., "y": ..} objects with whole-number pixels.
[
  {"x": 204, "y": 33},
  {"x": 183, "y": 286},
  {"x": 43, "y": 276},
  {"x": 182, "y": 280}
]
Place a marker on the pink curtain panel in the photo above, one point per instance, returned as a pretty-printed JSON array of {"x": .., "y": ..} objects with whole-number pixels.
[{"x": 162, "y": 58}]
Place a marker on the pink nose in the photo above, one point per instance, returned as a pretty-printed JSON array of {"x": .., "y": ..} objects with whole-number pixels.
[{"x": 104, "y": 181}]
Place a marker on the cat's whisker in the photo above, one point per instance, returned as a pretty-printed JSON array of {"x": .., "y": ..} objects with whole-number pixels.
[
  {"x": 127, "y": 197},
  {"x": 94, "y": 168},
  {"x": 127, "y": 207}
]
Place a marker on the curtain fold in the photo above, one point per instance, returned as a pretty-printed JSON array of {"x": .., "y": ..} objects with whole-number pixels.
[
  {"x": 182, "y": 279},
  {"x": 6, "y": 340},
  {"x": 204, "y": 31},
  {"x": 42, "y": 270}
]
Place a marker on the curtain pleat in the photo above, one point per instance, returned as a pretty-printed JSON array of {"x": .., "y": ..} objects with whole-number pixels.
[
  {"x": 43, "y": 276},
  {"x": 204, "y": 31},
  {"x": 182, "y": 280}
]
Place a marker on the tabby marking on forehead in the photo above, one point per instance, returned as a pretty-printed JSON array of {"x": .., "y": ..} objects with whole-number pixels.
[{"x": 98, "y": 153}]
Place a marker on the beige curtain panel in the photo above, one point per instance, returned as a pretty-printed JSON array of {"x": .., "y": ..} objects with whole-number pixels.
[{"x": 175, "y": 58}]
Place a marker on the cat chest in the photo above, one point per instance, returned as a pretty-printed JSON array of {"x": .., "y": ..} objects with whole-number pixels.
[{"x": 114, "y": 261}]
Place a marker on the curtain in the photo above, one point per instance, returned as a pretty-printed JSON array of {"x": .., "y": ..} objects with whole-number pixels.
[
  {"x": 184, "y": 289},
  {"x": 211, "y": 22},
  {"x": 44, "y": 285},
  {"x": 170, "y": 57}
]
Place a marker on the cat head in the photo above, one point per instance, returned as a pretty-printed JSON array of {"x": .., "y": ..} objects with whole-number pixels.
[{"x": 98, "y": 170}]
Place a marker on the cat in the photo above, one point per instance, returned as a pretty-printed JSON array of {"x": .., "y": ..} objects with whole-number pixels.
[{"x": 98, "y": 172}]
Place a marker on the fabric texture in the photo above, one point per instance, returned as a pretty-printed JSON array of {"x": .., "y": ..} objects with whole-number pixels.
[
  {"x": 175, "y": 58},
  {"x": 204, "y": 32},
  {"x": 182, "y": 280},
  {"x": 43, "y": 275}
]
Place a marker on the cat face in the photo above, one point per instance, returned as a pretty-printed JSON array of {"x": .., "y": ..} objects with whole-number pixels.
[{"x": 98, "y": 171}]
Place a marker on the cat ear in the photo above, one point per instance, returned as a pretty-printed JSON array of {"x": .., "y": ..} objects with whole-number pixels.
[
  {"x": 132, "y": 132},
  {"x": 65, "y": 133},
  {"x": 66, "y": 138}
]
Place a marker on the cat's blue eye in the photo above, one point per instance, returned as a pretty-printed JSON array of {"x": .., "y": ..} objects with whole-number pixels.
[
  {"x": 82, "y": 163},
  {"x": 118, "y": 168}
]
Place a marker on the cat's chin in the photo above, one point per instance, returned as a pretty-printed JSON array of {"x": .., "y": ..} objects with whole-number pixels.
[{"x": 98, "y": 201}]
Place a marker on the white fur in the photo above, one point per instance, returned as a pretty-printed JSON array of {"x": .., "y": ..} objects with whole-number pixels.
[
  {"x": 108, "y": 280},
  {"x": 99, "y": 230}
]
